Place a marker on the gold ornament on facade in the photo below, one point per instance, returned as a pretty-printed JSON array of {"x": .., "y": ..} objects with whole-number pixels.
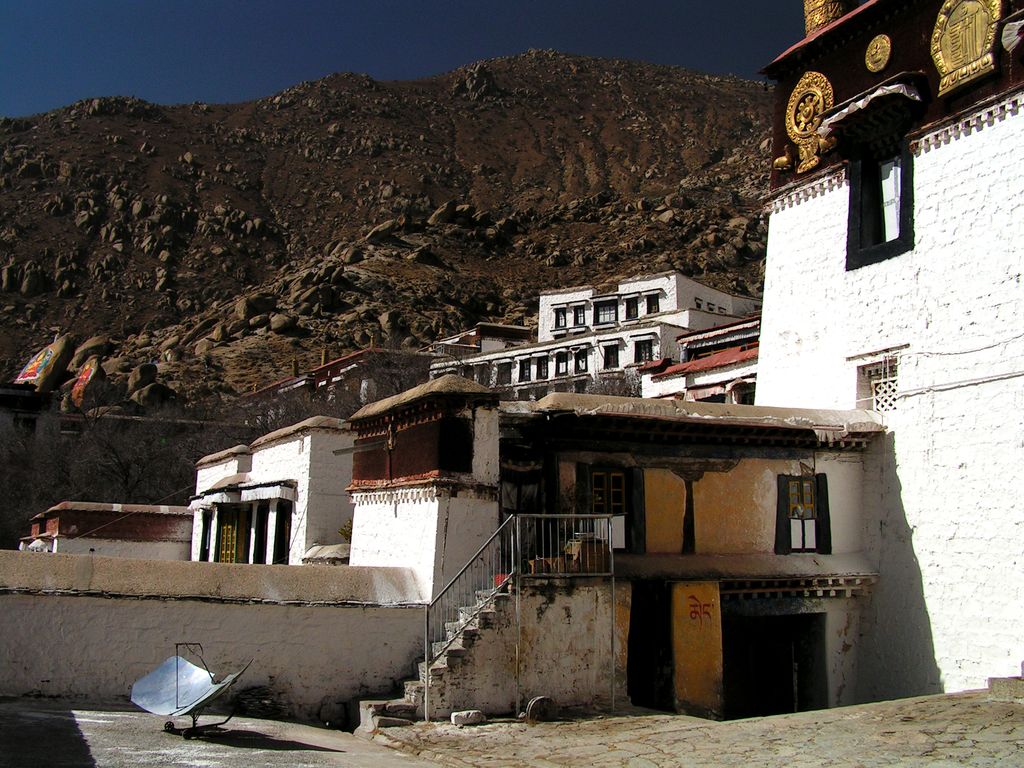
[
  {"x": 963, "y": 41},
  {"x": 877, "y": 55},
  {"x": 811, "y": 98},
  {"x": 820, "y": 13}
]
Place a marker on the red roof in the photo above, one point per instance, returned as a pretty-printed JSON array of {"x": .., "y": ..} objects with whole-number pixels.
[
  {"x": 817, "y": 34},
  {"x": 721, "y": 359}
]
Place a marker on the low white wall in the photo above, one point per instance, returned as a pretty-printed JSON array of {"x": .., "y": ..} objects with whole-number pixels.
[
  {"x": 141, "y": 550},
  {"x": 73, "y": 627}
]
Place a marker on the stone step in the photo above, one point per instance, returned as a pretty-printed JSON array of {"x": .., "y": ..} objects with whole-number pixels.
[
  {"x": 385, "y": 713},
  {"x": 401, "y": 708},
  {"x": 414, "y": 691}
]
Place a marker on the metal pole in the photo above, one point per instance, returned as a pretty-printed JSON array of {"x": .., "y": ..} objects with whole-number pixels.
[
  {"x": 426, "y": 663},
  {"x": 611, "y": 569},
  {"x": 517, "y": 565}
]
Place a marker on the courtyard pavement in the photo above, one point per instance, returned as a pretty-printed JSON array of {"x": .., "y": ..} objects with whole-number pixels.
[
  {"x": 36, "y": 733},
  {"x": 966, "y": 729}
]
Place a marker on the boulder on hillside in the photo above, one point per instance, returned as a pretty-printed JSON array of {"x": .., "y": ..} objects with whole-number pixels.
[
  {"x": 281, "y": 323},
  {"x": 382, "y": 231},
  {"x": 99, "y": 346},
  {"x": 443, "y": 215},
  {"x": 49, "y": 365},
  {"x": 153, "y": 395},
  {"x": 141, "y": 377}
]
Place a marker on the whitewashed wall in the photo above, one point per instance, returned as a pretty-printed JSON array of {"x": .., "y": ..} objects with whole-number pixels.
[
  {"x": 546, "y": 312},
  {"x": 235, "y": 461},
  {"x": 321, "y": 504},
  {"x": 87, "y": 627},
  {"x": 423, "y": 528},
  {"x": 946, "y": 521},
  {"x": 142, "y": 550}
]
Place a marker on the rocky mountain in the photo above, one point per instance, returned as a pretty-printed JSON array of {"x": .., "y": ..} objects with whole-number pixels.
[{"x": 222, "y": 242}]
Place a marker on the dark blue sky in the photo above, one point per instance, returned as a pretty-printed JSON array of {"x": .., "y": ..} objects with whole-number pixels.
[{"x": 54, "y": 52}]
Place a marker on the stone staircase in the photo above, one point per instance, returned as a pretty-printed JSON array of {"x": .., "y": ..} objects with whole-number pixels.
[{"x": 452, "y": 685}]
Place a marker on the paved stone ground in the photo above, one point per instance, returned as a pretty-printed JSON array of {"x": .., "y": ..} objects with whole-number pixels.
[
  {"x": 966, "y": 729},
  {"x": 38, "y": 733}
]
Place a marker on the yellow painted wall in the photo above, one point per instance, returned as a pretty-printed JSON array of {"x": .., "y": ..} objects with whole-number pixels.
[
  {"x": 697, "y": 647},
  {"x": 664, "y": 504},
  {"x": 734, "y": 512}
]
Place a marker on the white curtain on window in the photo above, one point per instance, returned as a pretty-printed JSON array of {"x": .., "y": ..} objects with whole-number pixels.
[{"x": 889, "y": 176}]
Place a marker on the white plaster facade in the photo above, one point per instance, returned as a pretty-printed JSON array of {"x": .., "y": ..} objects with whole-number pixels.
[
  {"x": 944, "y": 519},
  {"x": 433, "y": 528},
  {"x": 142, "y": 550},
  {"x": 680, "y": 301},
  {"x": 577, "y": 349},
  {"x": 679, "y": 385},
  {"x": 297, "y": 465}
]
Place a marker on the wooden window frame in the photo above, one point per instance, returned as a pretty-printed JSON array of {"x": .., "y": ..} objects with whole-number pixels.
[{"x": 792, "y": 507}]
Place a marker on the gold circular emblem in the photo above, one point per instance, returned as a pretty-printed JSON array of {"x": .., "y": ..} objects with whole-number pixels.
[
  {"x": 811, "y": 98},
  {"x": 877, "y": 55}
]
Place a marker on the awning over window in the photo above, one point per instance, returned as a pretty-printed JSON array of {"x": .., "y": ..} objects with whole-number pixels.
[
  {"x": 874, "y": 122},
  {"x": 858, "y": 107}
]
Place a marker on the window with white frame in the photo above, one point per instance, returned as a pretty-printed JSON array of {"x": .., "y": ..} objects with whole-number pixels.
[{"x": 876, "y": 385}]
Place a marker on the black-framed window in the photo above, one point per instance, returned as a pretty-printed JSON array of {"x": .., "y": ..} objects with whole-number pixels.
[
  {"x": 579, "y": 315},
  {"x": 610, "y": 354},
  {"x": 803, "y": 522},
  {"x": 881, "y": 219},
  {"x": 606, "y": 312},
  {"x": 504, "y": 373},
  {"x": 608, "y": 492},
  {"x": 524, "y": 370},
  {"x": 619, "y": 492},
  {"x": 542, "y": 368},
  {"x": 561, "y": 363},
  {"x": 653, "y": 303},
  {"x": 643, "y": 350},
  {"x": 580, "y": 360},
  {"x": 632, "y": 308},
  {"x": 560, "y": 317}
]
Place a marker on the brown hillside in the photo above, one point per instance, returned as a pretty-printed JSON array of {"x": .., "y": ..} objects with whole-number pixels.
[{"x": 184, "y": 232}]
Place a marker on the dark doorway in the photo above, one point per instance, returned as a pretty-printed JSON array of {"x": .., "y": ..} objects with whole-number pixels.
[
  {"x": 773, "y": 664},
  {"x": 283, "y": 533},
  {"x": 649, "y": 676}
]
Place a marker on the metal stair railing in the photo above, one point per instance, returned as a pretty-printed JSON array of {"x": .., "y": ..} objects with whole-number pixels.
[{"x": 488, "y": 572}]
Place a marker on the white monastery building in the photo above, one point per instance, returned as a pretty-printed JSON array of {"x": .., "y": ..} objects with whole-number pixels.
[
  {"x": 895, "y": 281},
  {"x": 588, "y": 334},
  {"x": 274, "y": 500}
]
